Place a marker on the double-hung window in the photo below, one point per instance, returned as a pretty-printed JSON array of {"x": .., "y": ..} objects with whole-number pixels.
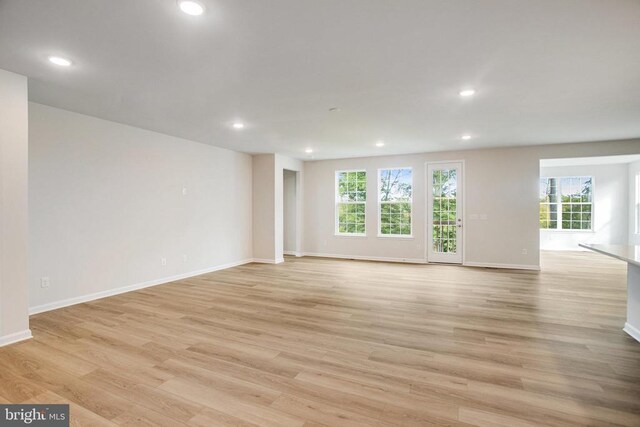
[
  {"x": 395, "y": 195},
  {"x": 351, "y": 198},
  {"x": 566, "y": 203}
]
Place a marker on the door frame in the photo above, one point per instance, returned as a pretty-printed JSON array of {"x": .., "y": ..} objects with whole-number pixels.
[{"x": 428, "y": 194}]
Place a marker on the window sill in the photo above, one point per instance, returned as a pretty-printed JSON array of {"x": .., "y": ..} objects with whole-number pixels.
[
  {"x": 347, "y": 235},
  {"x": 551, "y": 230},
  {"x": 396, "y": 236}
]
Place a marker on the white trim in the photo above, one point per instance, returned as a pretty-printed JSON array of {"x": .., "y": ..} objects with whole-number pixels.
[
  {"x": 15, "y": 337},
  {"x": 267, "y": 261},
  {"x": 121, "y": 290},
  {"x": 559, "y": 203},
  {"x": 427, "y": 211},
  {"x": 263, "y": 261},
  {"x": 350, "y": 236},
  {"x": 632, "y": 331},
  {"x": 504, "y": 266},
  {"x": 636, "y": 203},
  {"x": 396, "y": 236},
  {"x": 366, "y": 258},
  {"x": 421, "y": 261},
  {"x": 566, "y": 230},
  {"x": 379, "y": 204},
  {"x": 336, "y": 216},
  {"x": 292, "y": 253}
]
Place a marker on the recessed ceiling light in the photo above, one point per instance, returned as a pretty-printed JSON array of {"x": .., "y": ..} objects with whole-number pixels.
[
  {"x": 467, "y": 92},
  {"x": 190, "y": 7},
  {"x": 466, "y": 137},
  {"x": 63, "y": 62},
  {"x": 380, "y": 144},
  {"x": 308, "y": 150},
  {"x": 238, "y": 125}
]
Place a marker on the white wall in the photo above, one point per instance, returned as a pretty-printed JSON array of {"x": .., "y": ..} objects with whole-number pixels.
[
  {"x": 501, "y": 185},
  {"x": 634, "y": 200},
  {"x": 610, "y": 204},
  {"x": 264, "y": 208},
  {"x": 107, "y": 204},
  {"x": 268, "y": 205},
  {"x": 290, "y": 209},
  {"x": 14, "y": 319}
]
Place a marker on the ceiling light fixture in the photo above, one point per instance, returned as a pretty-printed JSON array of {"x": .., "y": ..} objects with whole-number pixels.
[
  {"x": 467, "y": 93},
  {"x": 63, "y": 62},
  {"x": 238, "y": 125},
  {"x": 466, "y": 137},
  {"x": 308, "y": 151},
  {"x": 190, "y": 7},
  {"x": 380, "y": 144}
]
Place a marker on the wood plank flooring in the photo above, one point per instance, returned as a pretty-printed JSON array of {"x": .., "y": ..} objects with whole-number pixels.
[{"x": 319, "y": 342}]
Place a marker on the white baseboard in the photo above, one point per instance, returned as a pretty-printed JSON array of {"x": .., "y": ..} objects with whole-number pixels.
[
  {"x": 15, "y": 337},
  {"x": 268, "y": 261},
  {"x": 633, "y": 331},
  {"x": 292, "y": 253},
  {"x": 111, "y": 292},
  {"x": 503, "y": 266},
  {"x": 421, "y": 261},
  {"x": 366, "y": 258}
]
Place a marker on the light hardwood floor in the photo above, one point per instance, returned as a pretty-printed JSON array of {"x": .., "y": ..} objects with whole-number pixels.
[{"x": 333, "y": 342}]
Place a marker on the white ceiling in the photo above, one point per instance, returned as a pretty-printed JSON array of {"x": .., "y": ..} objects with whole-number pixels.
[{"x": 546, "y": 71}]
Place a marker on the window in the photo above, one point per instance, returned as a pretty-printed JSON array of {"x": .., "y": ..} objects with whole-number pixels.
[
  {"x": 566, "y": 203},
  {"x": 395, "y": 197},
  {"x": 351, "y": 197},
  {"x": 549, "y": 203}
]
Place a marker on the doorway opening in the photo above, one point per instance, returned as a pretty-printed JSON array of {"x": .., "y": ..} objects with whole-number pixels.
[
  {"x": 589, "y": 200},
  {"x": 290, "y": 215}
]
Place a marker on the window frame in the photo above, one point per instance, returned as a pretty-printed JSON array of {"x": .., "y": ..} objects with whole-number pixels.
[
  {"x": 379, "y": 205},
  {"x": 337, "y": 203},
  {"x": 559, "y": 203}
]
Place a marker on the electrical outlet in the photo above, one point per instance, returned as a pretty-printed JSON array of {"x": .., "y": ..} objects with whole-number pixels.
[
  {"x": 524, "y": 251},
  {"x": 163, "y": 261},
  {"x": 44, "y": 282},
  {"x": 184, "y": 191}
]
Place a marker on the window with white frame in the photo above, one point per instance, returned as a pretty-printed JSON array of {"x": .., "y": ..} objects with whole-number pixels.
[
  {"x": 395, "y": 195},
  {"x": 351, "y": 198},
  {"x": 566, "y": 203}
]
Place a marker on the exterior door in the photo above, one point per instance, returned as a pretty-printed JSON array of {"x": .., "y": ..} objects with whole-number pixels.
[{"x": 444, "y": 212}]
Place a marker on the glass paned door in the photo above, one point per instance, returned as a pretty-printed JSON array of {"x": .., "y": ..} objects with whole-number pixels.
[{"x": 444, "y": 208}]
